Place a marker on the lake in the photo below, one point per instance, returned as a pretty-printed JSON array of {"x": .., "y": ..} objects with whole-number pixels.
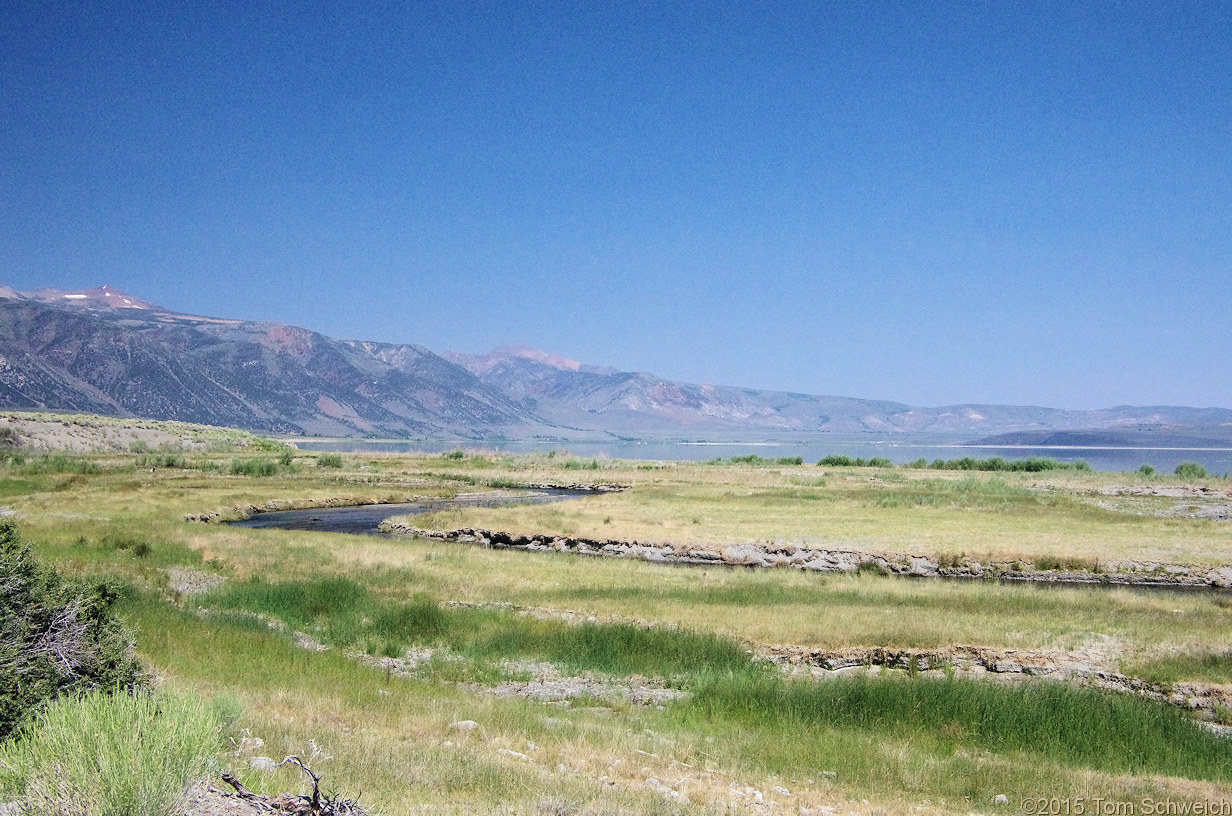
[{"x": 897, "y": 449}]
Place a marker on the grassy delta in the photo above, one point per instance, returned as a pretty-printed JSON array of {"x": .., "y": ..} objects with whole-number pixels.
[
  {"x": 1003, "y": 515},
  {"x": 223, "y": 613}
]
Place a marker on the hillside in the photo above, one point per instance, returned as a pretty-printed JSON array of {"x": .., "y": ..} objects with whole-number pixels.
[{"x": 103, "y": 351}]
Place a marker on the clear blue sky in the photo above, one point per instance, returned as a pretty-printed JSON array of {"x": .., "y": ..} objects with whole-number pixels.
[{"x": 929, "y": 202}]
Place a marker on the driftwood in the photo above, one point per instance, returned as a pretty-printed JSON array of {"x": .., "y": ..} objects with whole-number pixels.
[{"x": 316, "y": 804}]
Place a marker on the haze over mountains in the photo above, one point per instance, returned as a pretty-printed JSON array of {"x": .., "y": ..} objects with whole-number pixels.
[{"x": 107, "y": 352}]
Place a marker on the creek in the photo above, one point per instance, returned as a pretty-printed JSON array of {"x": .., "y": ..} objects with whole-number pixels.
[{"x": 366, "y": 519}]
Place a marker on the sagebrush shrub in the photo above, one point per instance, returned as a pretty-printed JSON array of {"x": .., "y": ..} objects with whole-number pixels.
[{"x": 56, "y": 637}]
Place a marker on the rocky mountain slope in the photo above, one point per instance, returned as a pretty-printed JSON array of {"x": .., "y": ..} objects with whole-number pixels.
[{"x": 106, "y": 352}]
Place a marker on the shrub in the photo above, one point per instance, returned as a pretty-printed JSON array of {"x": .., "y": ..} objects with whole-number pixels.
[
  {"x": 1147, "y": 470},
  {"x": 102, "y": 754},
  {"x": 847, "y": 461},
  {"x": 1190, "y": 470},
  {"x": 790, "y": 460},
  {"x": 55, "y": 638},
  {"x": 165, "y": 460},
  {"x": 329, "y": 460},
  {"x": 871, "y": 568},
  {"x": 995, "y": 464},
  {"x": 62, "y": 463},
  {"x": 253, "y": 467}
]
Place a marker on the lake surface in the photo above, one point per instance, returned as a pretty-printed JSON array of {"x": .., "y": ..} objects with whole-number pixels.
[{"x": 898, "y": 450}]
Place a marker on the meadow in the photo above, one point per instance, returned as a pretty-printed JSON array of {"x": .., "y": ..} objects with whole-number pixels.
[{"x": 403, "y": 667}]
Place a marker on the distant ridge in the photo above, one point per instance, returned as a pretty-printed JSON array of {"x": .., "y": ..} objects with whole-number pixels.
[
  {"x": 1161, "y": 436},
  {"x": 637, "y": 404},
  {"x": 105, "y": 351}
]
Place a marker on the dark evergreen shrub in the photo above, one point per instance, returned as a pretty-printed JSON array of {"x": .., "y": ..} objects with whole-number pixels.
[{"x": 56, "y": 637}]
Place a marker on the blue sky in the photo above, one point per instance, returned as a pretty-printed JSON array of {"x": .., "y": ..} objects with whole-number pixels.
[{"x": 934, "y": 203}]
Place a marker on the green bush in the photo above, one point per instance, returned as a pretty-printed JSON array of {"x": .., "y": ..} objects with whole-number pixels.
[
  {"x": 55, "y": 637},
  {"x": 61, "y": 463},
  {"x": 263, "y": 444},
  {"x": 1147, "y": 470},
  {"x": 1190, "y": 470},
  {"x": 169, "y": 461},
  {"x": 253, "y": 467},
  {"x": 109, "y": 754},
  {"x": 996, "y": 464},
  {"x": 329, "y": 460},
  {"x": 847, "y": 461}
]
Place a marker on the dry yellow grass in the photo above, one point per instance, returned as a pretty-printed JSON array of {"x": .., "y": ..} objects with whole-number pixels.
[{"x": 994, "y": 516}]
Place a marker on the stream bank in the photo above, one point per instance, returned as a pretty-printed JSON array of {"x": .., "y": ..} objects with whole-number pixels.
[{"x": 1133, "y": 574}]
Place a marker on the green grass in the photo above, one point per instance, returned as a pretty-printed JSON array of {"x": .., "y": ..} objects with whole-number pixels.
[
  {"x": 617, "y": 649},
  {"x": 1072, "y": 727},
  {"x": 1057, "y": 723},
  {"x": 60, "y": 463},
  {"x": 1058, "y": 727},
  {"x": 389, "y": 734},
  {"x": 973, "y": 492},
  {"x": 344, "y": 613},
  {"x": 1210, "y": 667},
  {"x": 112, "y": 755}
]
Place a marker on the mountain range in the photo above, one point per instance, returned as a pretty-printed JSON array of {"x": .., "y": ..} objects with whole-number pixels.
[{"x": 103, "y": 351}]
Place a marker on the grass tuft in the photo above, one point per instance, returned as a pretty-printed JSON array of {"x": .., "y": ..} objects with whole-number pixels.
[{"x": 107, "y": 754}]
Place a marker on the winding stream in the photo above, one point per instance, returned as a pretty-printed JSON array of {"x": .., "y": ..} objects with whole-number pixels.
[{"x": 366, "y": 519}]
